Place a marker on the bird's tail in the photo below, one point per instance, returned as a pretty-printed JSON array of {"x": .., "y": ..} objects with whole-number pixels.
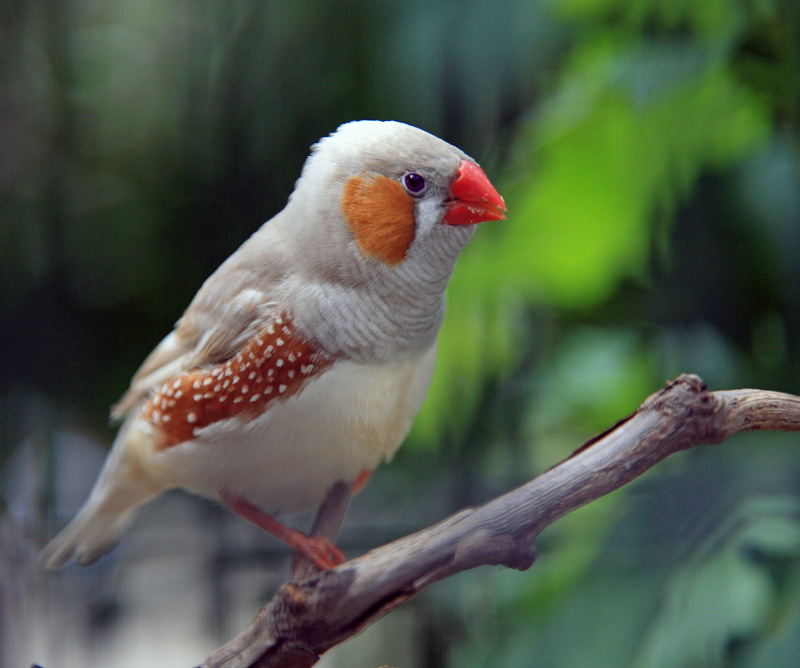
[{"x": 118, "y": 493}]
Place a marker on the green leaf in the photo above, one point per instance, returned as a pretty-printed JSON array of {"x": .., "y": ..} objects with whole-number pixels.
[{"x": 727, "y": 594}]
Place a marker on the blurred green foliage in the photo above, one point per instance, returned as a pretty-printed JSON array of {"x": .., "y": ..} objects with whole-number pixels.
[{"x": 649, "y": 154}]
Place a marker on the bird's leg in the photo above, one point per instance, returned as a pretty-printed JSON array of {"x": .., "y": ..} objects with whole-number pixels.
[
  {"x": 329, "y": 519},
  {"x": 327, "y": 522},
  {"x": 319, "y": 550},
  {"x": 361, "y": 482}
]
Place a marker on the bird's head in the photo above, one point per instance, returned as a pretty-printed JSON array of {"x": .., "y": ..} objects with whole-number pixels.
[
  {"x": 388, "y": 192},
  {"x": 373, "y": 230}
]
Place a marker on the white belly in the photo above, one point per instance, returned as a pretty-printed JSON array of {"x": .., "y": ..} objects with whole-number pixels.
[{"x": 350, "y": 418}]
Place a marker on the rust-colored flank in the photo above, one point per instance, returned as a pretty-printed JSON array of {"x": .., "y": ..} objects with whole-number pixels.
[{"x": 270, "y": 367}]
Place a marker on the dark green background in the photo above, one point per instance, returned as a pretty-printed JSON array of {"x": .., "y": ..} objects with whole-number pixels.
[{"x": 648, "y": 154}]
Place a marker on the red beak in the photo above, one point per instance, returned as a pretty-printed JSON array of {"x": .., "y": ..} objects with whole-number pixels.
[{"x": 473, "y": 198}]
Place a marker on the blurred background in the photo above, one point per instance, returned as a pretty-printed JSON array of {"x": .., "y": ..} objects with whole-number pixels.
[{"x": 648, "y": 153}]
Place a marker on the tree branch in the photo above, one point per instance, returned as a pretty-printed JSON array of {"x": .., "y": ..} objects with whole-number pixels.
[{"x": 307, "y": 618}]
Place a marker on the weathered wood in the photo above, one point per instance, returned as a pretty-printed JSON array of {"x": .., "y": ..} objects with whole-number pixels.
[{"x": 307, "y": 618}]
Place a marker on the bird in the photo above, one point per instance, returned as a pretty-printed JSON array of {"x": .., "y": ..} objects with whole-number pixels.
[{"x": 303, "y": 360}]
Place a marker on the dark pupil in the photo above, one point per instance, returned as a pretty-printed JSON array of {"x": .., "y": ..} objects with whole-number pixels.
[{"x": 414, "y": 182}]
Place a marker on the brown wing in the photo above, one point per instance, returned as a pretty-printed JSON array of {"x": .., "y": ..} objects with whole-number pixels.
[{"x": 273, "y": 365}]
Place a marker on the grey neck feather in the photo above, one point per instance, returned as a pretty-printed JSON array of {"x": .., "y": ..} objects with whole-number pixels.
[{"x": 385, "y": 313}]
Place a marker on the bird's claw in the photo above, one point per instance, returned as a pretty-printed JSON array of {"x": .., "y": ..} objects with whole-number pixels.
[{"x": 318, "y": 550}]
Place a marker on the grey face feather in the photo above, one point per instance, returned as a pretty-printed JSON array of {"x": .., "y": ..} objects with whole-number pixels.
[{"x": 386, "y": 147}]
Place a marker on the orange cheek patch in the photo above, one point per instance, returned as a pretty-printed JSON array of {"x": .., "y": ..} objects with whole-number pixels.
[
  {"x": 381, "y": 215},
  {"x": 272, "y": 366}
]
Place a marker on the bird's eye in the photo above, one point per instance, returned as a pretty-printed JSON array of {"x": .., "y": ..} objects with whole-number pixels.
[{"x": 414, "y": 183}]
